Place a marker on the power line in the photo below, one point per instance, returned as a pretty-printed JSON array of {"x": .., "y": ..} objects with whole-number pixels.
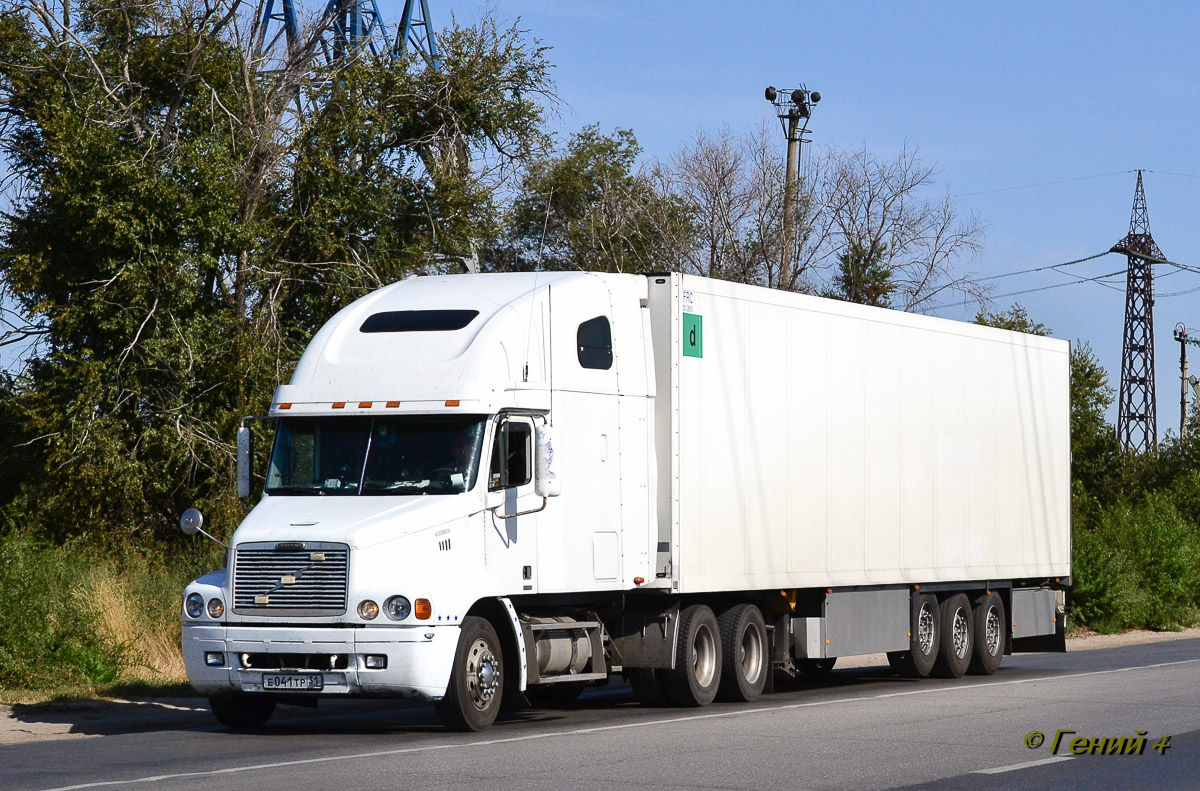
[
  {"x": 1044, "y": 268},
  {"x": 1096, "y": 279},
  {"x": 1048, "y": 183}
]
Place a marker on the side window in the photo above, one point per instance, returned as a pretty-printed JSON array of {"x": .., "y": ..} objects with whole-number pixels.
[
  {"x": 594, "y": 341},
  {"x": 512, "y": 456}
]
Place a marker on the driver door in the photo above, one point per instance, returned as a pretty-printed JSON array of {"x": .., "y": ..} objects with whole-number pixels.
[{"x": 512, "y": 536}]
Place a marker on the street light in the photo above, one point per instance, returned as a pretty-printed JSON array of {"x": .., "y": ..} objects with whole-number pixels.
[{"x": 791, "y": 106}]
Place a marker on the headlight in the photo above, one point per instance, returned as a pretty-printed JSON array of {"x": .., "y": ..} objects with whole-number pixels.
[
  {"x": 397, "y": 608},
  {"x": 368, "y": 610},
  {"x": 193, "y": 605},
  {"x": 216, "y": 608}
]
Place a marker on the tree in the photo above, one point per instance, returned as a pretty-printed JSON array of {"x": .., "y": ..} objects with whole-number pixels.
[
  {"x": 178, "y": 231},
  {"x": 861, "y": 277},
  {"x": 862, "y": 230},
  {"x": 1015, "y": 318},
  {"x": 880, "y": 220},
  {"x": 733, "y": 188},
  {"x": 590, "y": 208}
]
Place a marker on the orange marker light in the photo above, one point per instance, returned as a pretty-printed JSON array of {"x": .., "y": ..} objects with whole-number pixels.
[
  {"x": 422, "y": 609},
  {"x": 285, "y": 406},
  {"x": 453, "y": 402},
  {"x": 638, "y": 580},
  {"x": 365, "y": 404},
  {"x": 393, "y": 404},
  {"x": 339, "y": 404}
]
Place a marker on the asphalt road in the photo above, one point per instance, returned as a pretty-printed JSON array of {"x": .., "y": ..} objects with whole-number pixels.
[{"x": 854, "y": 729}]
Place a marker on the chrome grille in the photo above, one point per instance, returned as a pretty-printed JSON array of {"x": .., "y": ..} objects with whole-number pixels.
[{"x": 290, "y": 578}]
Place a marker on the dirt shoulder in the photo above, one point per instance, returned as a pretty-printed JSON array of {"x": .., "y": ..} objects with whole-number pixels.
[{"x": 26, "y": 722}]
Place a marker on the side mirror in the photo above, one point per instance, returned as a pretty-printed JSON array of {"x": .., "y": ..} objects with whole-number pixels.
[
  {"x": 546, "y": 481},
  {"x": 245, "y": 455},
  {"x": 191, "y": 521}
]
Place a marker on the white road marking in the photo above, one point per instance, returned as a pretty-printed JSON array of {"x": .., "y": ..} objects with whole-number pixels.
[
  {"x": 623, "y": 726},
  {"x": 1026, "y": 765}
]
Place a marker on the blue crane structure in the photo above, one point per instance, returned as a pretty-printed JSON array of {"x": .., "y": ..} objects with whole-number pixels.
[{"x": 349, "y": 26}]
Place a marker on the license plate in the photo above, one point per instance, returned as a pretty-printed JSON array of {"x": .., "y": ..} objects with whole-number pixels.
[{"x": 309, "y": 681}]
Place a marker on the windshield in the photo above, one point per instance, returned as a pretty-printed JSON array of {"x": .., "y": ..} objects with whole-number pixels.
[{"x": 418, "y": 454}]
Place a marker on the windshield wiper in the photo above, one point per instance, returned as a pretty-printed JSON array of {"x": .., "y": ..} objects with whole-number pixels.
[{"x": 308, "y": 491}]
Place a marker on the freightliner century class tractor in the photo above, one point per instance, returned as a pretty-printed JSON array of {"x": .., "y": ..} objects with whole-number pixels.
[{"x": 483, "y": 487}]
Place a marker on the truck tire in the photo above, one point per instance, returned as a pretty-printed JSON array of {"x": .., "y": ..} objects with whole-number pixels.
[
  {"x": 697, "y": 674},
  {"x": 918, "y": 660},
  {"x": 744, "y": 649},
  {"x": 242, "y": 712},
  {"x": 989, "y": 635},
  {"x": 817, "y": 666},
  {"x": 648, "y": 686},
  {"x": 958, "y": 637},
  {"x": 476, "y": 683}
]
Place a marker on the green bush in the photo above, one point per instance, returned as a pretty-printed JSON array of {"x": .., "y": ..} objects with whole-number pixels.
[
  {"x": 1137, "y": 566},
  {"x": 49, "y": 636},
  {"x": 73, "y": 616}
]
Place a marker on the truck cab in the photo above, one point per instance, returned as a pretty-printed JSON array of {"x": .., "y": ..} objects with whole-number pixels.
[{"x": 413, "y": 481}]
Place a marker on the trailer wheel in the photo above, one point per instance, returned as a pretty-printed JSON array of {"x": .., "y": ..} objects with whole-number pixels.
[
  {"x": 648, "y": 686},
  {"x": 958, "y": 637},
  {"x": 476, "y": 684},
  {"x": 242, "y": 712},
  {"x": 989, "y": 635},
  {"x": 817, "y": 666},
  {"x": 697, "y": 673},
  {"x": 744, "y": 649},
  {"x": 917, "y": 661}
]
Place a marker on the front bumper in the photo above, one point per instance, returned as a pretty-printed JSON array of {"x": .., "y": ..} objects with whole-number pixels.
[{"x": 419, "y": 658}]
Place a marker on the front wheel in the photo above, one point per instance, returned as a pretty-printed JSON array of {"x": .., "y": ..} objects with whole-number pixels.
[
  {"x": 476, "y": 686},
  {"x": 242, "y": 712}
]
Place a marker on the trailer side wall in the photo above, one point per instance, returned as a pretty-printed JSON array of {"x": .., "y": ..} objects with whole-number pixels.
[{"x": 820, "y": 443}]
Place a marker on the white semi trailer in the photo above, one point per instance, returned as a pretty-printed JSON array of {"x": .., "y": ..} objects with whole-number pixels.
[{"x": 489, "y": 485}]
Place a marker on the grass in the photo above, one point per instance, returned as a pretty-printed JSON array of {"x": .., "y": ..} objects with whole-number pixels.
[{"x": 81, "y": 625}]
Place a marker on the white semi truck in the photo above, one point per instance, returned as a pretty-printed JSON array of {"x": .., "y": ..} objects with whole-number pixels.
[{"x": 485, "y": 486}]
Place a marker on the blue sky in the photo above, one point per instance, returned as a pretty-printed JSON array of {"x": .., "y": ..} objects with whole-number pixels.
[
  {"x": 1071, "y": 96},
  {"x": 998, "y": 96}
]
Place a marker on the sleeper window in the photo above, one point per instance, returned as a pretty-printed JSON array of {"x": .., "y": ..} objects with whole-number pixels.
[{"x": 594, "y": 343}]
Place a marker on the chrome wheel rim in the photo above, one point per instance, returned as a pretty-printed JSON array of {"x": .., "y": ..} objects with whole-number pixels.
[
  {"x": 704, "y": 656},
  {"x": 925, "y": 629},
  {"x": 961, "y": 640},
  {"x": 751, "y": 653},
  {"x": 483, "y": 674},
  {"x": 992, "y": 630}
]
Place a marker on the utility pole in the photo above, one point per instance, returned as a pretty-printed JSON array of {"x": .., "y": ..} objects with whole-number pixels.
[
  {"x": 1181, "y": 335},
  {"x": 791, "y": 107},
  {"x": 1137, "y": 427}
]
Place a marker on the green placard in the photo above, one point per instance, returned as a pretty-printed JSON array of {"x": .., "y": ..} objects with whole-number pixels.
[{"x": 693, "y": 335}]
